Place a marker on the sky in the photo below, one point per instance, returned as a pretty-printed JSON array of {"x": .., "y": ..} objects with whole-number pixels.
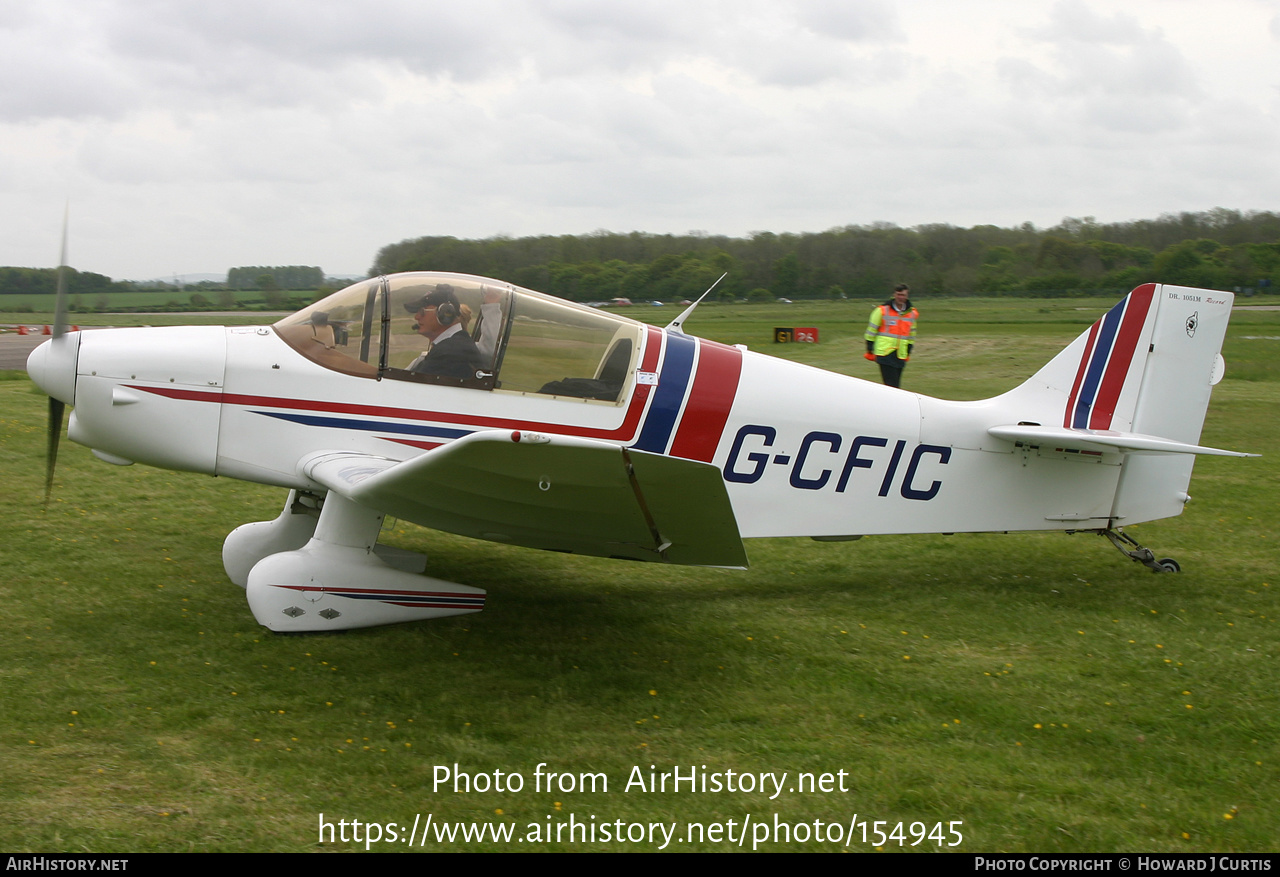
[{"x": 193, "y": 136}]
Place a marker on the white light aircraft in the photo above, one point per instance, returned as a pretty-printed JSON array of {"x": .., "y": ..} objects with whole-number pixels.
[{"x": 550, "y": 425}]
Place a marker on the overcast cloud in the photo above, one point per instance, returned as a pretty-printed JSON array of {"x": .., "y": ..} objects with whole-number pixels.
[{"x": 196, "y": 136}]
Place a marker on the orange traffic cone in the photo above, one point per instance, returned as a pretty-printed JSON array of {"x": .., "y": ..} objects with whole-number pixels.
[
  {"x": 22, "y": 330},
  {"x": 46, "y": 331}
]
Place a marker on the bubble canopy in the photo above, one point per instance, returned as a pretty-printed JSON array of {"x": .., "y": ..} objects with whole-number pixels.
[{"x": 463, "y": 331}]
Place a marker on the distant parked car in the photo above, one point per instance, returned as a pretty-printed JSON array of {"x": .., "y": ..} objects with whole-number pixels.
[{"x": 622, "y": 302}]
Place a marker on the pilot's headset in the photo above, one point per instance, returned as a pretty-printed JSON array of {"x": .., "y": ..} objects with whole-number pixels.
[
  {"x": 447, "y": 311},
  {"x": 443, "y": 300}
]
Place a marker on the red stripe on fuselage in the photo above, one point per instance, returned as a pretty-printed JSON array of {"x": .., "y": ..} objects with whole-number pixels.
[
  {"x": 426, "y": 446},
  {"x": 707, "y": 410},
  {"x": 625, "y": 432},
  {"x": 1135, "y": 316}
]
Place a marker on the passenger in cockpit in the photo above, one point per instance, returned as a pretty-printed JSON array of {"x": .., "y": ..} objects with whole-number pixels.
[{"x": 490, "y": 321}]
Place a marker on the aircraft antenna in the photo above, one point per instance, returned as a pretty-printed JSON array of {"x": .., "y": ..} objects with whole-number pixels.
[{"x": 677, "y": 325}]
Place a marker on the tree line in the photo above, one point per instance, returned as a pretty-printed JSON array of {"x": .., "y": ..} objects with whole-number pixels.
[
  {"x": 279, "y": 277},
  {"x": 1220, "y": 249},
  {"x": 1217, "y": 249},
  {"x": 39, "y": 281}
]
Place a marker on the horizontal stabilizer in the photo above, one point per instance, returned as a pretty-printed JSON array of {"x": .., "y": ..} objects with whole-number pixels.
[
  {"x": 1102, "y": 440},
  {"x": 553, "y": 492}
]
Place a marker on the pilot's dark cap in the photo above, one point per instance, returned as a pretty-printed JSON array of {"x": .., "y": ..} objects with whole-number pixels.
[{"x": 443, "y": 294}]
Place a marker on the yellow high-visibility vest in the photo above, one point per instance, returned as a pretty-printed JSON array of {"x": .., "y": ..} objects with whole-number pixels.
[{"x": 891, "y": 331}]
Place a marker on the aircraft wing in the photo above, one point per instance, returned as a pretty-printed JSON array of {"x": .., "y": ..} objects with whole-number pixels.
[
  {"x": 1102, "y": 440},
  {"x": 554, "y": 492}
]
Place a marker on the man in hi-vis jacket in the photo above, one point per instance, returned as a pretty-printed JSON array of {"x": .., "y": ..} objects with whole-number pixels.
[{"x": 891, "y": 332}]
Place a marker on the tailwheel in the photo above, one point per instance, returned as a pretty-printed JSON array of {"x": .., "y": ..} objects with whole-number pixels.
[{"x": 1129, "y": 547}]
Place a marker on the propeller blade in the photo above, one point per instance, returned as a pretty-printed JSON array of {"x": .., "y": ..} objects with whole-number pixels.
[
  {"x": 56, "y": 407},
  {"x": 60, "y": 308}
]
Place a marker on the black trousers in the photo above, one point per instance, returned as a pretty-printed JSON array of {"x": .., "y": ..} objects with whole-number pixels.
[{"x": 891, "y": 369}]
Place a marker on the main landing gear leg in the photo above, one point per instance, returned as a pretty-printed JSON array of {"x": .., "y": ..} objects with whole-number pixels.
[
  {"x": 250, "y": 543},
  {"x": 322, "y": 570},
  {"x": 1137, "y": 553}
]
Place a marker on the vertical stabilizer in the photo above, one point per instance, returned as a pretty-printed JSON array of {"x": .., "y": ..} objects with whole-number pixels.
[
  {"x": 1095, "y": 381},
  {"x": 1139, "y": 381},
  {"x": 1183, "y": 362},
  {"x": 1108, "y": 376}
]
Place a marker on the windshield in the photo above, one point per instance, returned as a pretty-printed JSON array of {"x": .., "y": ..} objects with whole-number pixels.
[
  {"x": 340, "y": 332},
  {"x": 464, "y": 331}
]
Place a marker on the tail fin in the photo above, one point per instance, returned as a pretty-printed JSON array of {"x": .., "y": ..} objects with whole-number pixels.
[
  {"x": 1183, "y": 363},
  {"x": 1109, "y": 366},
  {"x": 1138, "y": 381}
]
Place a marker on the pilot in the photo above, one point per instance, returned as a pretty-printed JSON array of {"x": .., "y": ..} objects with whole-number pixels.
[{"x": 437, "y": 316}]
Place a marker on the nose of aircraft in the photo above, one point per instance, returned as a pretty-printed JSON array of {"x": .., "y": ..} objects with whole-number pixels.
[{"x": 52, "y": 366}]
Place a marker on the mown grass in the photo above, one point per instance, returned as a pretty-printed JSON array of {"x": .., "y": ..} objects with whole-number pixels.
[
  {"x": 1041, "y": 688},
  {"x": 245, "y": 318},
  {"x": 44, "y": 302}
]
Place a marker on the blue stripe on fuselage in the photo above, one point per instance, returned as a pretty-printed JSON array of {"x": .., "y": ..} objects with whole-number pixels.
[
  {"x": 368, "y": 425},
  {"x": 673, "y": 386}
]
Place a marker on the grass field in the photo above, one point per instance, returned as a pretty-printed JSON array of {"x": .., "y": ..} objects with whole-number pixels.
[
  {"x": 1041, "y": 689},
  {"x": 43, "y": 303}
]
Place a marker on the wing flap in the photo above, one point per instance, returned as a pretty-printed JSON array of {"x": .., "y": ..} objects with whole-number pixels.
[
  {"x": 689, "y": 506},
  {"x": 553, "y": 492}
]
